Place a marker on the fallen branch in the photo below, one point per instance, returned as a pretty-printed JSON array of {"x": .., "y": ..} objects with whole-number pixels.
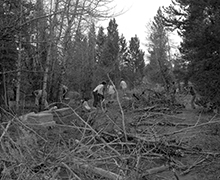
[
  {"x": 122, "y": 112},
  {"x": 194, "y": 165},
  {"x": 74, "y": 174},
  {"x": 5, "y": 129},
  {"x": 148, "y": 140},
  {"x": 99, "y": 171},
  {"x": 162, "y": 124},
  {"x": 148, "y": 143},
  {"x": 188, "y": 128},
  {"x": 55, "y": 173},
  {"x": 145, "y": 109},
  {"x": 94, "y": 131},
  {"x": 30, "y": 129},
  {"x": 156, "y": 170}
]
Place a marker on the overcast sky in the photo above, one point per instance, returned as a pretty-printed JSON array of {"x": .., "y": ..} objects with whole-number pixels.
[{"x": 136, "y": 16}]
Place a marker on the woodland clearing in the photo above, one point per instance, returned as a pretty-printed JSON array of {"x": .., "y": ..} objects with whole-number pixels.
[{"x": 131, "y": 139}]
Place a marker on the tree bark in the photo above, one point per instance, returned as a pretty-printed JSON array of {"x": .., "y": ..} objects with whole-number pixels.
[
  {"x": 49, "y": 55},
  {"x": 65, "y": 46},
  {"x": 4, "y": 89},
  {"x": 18, "y": 81}
]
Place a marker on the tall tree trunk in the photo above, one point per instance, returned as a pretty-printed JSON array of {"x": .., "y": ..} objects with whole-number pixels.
[
  {"x": 1, "y": 87},
  {"x": 65, "y": 44},
  {"x": 163, "y": 75},
  {"x": 5, "y": 91},
  {"x": 49, "y": 56},
  {"x": 18, "y": 82}
]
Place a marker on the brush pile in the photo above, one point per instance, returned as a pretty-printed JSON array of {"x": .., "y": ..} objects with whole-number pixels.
[{"x": 146, "y": 139}]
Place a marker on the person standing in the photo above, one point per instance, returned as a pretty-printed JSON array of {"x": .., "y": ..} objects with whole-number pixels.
[
  {"x": 65, "y": 90},
  {"x": 98, "y": 94},
  {"x": 111, "y": 92},
  {"x": 193, "y": 94},
  {"x": 38, "y": 99},
  {"x": 173, "y": 92},
  {"x": 123, "y": 86}
]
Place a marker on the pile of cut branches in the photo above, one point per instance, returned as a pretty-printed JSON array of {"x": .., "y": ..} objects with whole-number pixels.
[
  {"x": 160, "y": 101},
  {"x": 73, "y": 149}
]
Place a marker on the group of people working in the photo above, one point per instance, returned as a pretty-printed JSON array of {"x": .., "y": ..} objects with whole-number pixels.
[
  {"x": 99, "y": 93},
  {"x": 39, "y": 94}
]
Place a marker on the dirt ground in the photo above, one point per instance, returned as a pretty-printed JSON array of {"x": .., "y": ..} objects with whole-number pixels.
[
  {"x": 196, "y": 130},
  {"x": 160, "y": 143}
]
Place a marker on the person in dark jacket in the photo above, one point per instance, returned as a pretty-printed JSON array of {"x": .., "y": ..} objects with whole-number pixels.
[
  {"x": 65, "y": 89},
  {"x": 193, "y": 94}
]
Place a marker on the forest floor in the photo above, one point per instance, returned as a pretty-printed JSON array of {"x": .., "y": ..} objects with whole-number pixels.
[
  {"x": 194, "y": 132},
  {"x": 127, "y": 140}
]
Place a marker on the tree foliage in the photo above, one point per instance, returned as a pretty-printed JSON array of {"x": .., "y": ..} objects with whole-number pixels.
[
  {"x": 109, "y": 56},
  {"x": 12, "y": 33},
  {"x": 55, "y": 43},
  {"x": 123, "y": 51},
  {"x": 159, "y": 67},
  {"x": 136, "y": 58},
  {"x": 198, "y": 22}
]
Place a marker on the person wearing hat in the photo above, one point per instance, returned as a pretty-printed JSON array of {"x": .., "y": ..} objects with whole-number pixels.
[{"x": 98, "y": 93}]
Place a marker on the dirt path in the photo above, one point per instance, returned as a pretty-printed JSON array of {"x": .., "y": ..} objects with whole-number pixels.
[
  {"x": 205, "y": 138},
  {"x": 201, "y": 139}
]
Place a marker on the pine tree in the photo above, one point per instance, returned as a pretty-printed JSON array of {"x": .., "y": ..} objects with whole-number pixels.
[
  {"x": 198, "y": 23},
  {"x": 159, "y": 66},
  {"x": 123, "y": 52},
  {"x": 101, "y": 38},
  {"x": 90, "y": 63},
  {"x": 77, "y": 62},
  {"x": 136, "y": 58},
  {"x": 109, "y": 56}
]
